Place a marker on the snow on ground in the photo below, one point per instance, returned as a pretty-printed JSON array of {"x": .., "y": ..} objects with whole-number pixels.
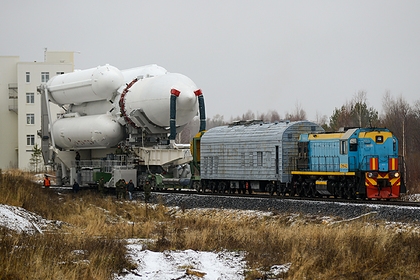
[
  {"x": 20, "y": 220},
  {"x": 188, "y": 264}
]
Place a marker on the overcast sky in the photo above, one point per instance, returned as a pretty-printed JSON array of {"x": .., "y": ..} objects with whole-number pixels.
[{"x": 244, "y": 55}]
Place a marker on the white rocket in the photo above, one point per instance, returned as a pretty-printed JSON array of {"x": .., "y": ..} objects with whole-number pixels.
[{"x": 106, "y": 105}]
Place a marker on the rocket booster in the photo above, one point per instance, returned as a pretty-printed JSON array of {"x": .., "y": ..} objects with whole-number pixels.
[
  {"x": 102, "y": 101},
  {"x": 85, "y": 86}
]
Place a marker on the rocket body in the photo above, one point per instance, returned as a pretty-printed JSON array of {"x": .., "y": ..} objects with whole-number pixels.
[{"x": 102, "y": 102}]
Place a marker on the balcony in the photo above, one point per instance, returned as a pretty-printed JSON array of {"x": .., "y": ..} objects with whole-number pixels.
[
  {"x": 13, "y": 105},
  {"x": 13, "y": 91},
  {"x": 13, "y": 97}
]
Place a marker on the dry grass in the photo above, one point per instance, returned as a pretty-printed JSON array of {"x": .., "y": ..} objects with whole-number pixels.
[{"x": 90, "y": 243}]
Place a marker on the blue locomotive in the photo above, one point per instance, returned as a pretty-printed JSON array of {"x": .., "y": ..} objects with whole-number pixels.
[
  {"x": 297, "y": 158},
  {"x": 356, "y": 162}
]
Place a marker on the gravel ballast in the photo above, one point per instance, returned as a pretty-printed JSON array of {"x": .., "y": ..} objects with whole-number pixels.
[{"x": 319, "y": 208}]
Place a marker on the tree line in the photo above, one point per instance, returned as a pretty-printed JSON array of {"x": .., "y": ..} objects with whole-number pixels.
[{"x": 398, "y": 115}]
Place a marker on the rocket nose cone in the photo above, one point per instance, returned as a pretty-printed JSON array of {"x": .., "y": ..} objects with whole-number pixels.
[{"x": 186, "y": 99}]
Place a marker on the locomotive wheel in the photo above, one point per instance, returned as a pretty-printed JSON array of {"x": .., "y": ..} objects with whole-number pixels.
[
  {"x": 352, "y": 193},
  {"x": 343, "y": 193},
  {"x": 312, "y": 190},
  {"x": 306, "y": 190},
  {"x": 299, "y": 189},
  {"x": 293, "y": 190}
]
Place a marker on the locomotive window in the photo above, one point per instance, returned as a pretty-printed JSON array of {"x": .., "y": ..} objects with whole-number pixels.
[
  {"x": 353, "y": 145},
  {"x": 343, "y": 147},
  {"x": 379, "y": 139},
  {"x": 303, "y": 149}
]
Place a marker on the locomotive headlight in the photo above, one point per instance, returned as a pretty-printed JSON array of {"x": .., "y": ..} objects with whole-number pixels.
[
  {"x": 394, "y": 174},
  {"x": 372, "y": 174}
]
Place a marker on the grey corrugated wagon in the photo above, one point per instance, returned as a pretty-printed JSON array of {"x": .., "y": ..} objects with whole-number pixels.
[{"x": 251, "y": 155}]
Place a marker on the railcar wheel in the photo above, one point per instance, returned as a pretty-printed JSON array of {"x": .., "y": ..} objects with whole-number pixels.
[
  {"x": 213, "y": 187},
  {"x": 270, "y": 189},
  {"x": 197, "y": 187}
]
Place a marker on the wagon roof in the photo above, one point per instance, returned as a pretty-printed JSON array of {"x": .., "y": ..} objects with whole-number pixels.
[{"x": 257, "y": 130}]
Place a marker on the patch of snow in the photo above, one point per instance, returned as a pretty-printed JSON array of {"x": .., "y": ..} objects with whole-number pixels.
[
  {"x": 188, "y": 264},
  {"x": 21, "y": 220},
  {"x": 277, "y": 271}
]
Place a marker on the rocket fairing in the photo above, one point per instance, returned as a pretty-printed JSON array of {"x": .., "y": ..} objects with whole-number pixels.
[
  {"x": 152, "y": 97},
  {"x": 103, "y": 100}
]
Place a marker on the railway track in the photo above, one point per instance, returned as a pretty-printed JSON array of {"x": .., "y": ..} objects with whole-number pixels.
[
  {"x": 287, "y": 197},
  {"x": 390, "y": 211},
  {"x": 393, "y": 211}
]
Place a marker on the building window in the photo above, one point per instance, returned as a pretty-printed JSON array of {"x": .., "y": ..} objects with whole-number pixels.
[
  {"x": 45, "y": 76},
  {"x": 59, "y": 73},
  {"x": 28, "y": 77},
  {"x": 30, "y": 140},
  {"x": 30, "y": 119},
  {"x": 30, "y": 98}
]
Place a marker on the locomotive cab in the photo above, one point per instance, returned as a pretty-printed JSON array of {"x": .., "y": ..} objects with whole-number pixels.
[{"x": 379, "y": 164}]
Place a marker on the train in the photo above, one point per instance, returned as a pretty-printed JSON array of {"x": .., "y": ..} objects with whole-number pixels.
[
  {"x": 122, "y": 124},
  {"x": 298, "y": 159}
]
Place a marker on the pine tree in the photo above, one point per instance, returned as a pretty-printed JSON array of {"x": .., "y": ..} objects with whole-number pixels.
[{"x": 36, "y": 157}]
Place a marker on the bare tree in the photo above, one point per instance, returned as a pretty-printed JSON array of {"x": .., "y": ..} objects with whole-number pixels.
[
  {"x": 321, "y": 120},
  {"x": 404, "y": 122},
  {"x": 275, "y": 116},
  {"x": 298, "y": 114},
  {"x": 249, "y": 115}
]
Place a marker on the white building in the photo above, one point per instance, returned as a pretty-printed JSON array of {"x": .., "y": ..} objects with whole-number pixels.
[{"x": 20, "y": 107}]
